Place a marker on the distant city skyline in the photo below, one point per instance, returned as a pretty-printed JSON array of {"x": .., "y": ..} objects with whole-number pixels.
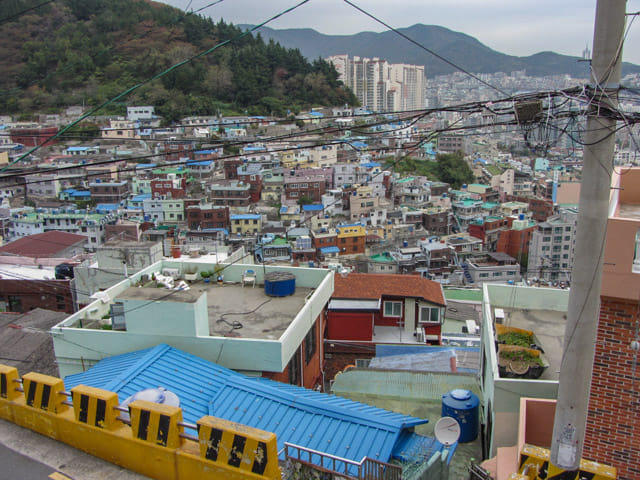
[{"x": 511, "y": 27}]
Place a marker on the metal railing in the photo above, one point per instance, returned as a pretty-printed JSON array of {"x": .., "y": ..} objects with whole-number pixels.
[{"x": 365, "y": 469}]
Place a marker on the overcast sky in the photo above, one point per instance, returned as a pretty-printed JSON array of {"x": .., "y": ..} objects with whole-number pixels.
[{"x": 514, "y": 27}]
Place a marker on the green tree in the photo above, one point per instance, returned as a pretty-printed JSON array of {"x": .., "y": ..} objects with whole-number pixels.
[
  {"x": 453, "y": 169},
  {"x": 304, "y": 200}
]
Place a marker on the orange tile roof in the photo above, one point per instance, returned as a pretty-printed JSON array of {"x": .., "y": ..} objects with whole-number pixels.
[{"x": 375, "y": 285}]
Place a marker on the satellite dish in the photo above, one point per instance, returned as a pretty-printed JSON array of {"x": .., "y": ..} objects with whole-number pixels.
[{"x": 447, "y": 431}]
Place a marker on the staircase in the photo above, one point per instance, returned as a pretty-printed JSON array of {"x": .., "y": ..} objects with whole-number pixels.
[{"x": 467, "y": 275}]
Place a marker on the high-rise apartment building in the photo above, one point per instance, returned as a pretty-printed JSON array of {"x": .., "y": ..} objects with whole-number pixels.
[{"x": 382, "y": 86}]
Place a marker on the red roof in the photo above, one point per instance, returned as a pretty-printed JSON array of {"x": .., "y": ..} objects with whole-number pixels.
[
  {"x": 47, "y": 244},
  {"x": 375, "y": 285}
]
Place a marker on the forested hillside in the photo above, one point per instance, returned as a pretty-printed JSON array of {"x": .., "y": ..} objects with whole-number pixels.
[{"x": 72, "y": 52}]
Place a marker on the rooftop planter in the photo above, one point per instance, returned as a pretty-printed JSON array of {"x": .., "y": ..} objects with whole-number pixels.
[{"x": 518, "y": 356}]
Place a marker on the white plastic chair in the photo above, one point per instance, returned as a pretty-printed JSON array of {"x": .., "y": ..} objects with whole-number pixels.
[{"x": 249, "y": 276}]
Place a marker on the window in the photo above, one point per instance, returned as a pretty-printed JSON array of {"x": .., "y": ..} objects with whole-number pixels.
[
  {"x": 310, "y": 344},
  {"x": 546, "y": 239},
  {"x": 567, "y": 238},
  {"x": 294, "y": 368},
  {"x": 484, "y": 275},
  {"x": 392, "y": 309},
  {"x": 429, "y": 315},
  {"x": 497, "y": 274}
]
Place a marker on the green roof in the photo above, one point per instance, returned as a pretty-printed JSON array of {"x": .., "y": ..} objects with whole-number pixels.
[
  {"x": 382, "y": 258},
  {"x": 405, "y": 180},
  {"x": 494, "y": 169},
  {"x": 177, "y": 170},
  {"x": 463, "y": 294},
  {"x": 39, "y": 217}
]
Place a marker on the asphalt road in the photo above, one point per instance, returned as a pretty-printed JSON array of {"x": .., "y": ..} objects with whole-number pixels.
[{"x": 18, "y": 466}]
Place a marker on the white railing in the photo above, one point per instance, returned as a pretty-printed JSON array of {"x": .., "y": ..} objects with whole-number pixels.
[{"x": 365, "y": 469}]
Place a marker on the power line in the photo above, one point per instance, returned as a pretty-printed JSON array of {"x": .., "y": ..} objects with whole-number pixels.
[{"x": 22, "y": 12}]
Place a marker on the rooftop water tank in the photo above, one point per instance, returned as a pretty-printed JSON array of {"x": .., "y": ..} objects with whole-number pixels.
[
  {"x": 462, "y": 405},
  {"x": 279, "y": 284}
]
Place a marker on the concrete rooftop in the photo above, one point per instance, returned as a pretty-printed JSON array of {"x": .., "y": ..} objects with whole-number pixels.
[
  {"x": 234, "y": 310},
  {"x": 548, "y": 328}
]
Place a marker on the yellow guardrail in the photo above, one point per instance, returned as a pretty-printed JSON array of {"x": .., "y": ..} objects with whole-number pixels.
[
  {"x": 152, "y": 441},
  {"x": 535, "y": 465}
]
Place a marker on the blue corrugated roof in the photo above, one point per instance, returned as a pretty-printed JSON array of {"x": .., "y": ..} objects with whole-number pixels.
[
  {"x": 330, "y": 250},
  {"x": 245, "y": 216},
  {"x": 194, "y": 380},
  {"x": 320, "y": 422},
  {"x": 200, "y": 163},
  {"x": 312, "y": 208},
  {"x": 141, "y": 197},
  {"x": 296, "y": 415}
]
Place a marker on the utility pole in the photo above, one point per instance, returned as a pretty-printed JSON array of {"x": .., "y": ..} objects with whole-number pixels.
[{"x": 584, "y": 299}]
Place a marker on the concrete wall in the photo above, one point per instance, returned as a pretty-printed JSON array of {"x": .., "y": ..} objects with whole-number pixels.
[{"x": 502, "y": 395}]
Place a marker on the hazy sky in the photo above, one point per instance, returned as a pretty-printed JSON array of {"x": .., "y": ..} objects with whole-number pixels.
[{"x": 514, "y": 27}]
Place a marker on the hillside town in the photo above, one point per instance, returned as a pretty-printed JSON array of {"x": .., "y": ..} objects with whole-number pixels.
[{"x": 378, "y": 291}]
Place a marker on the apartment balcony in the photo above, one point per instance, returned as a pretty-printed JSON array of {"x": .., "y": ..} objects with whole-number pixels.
[{"x": 621, "y": 269}]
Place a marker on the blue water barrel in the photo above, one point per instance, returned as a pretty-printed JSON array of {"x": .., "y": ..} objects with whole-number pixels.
[
  {"x": 279, "y": 284},
  {"x": 462, "y": 405}
]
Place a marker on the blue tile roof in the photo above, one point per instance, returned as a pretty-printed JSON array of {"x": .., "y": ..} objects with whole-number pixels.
[{"x": 296, "y": 415}]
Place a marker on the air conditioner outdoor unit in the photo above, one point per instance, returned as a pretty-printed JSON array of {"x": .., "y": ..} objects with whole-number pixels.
[{"x": 420, "y": 335}]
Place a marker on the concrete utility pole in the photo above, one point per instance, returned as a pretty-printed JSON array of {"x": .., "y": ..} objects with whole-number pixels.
[{"x": 584, "y": 299}]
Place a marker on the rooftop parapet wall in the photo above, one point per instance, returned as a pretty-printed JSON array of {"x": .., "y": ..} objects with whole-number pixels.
[
  {"x": 91, "y": 422},
  {"x": 620, "y": 273}
]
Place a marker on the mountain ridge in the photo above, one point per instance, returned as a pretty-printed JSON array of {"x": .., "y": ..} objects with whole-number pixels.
[{"x": 457, "y": 47}]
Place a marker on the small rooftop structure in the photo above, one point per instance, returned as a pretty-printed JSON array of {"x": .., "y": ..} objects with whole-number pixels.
[{"x": 241, "y": 328}]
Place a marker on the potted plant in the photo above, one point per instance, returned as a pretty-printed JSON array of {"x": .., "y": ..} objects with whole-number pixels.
[
  {"x": 217, "y": 271},
  {"x": 205, "y": 276}
]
